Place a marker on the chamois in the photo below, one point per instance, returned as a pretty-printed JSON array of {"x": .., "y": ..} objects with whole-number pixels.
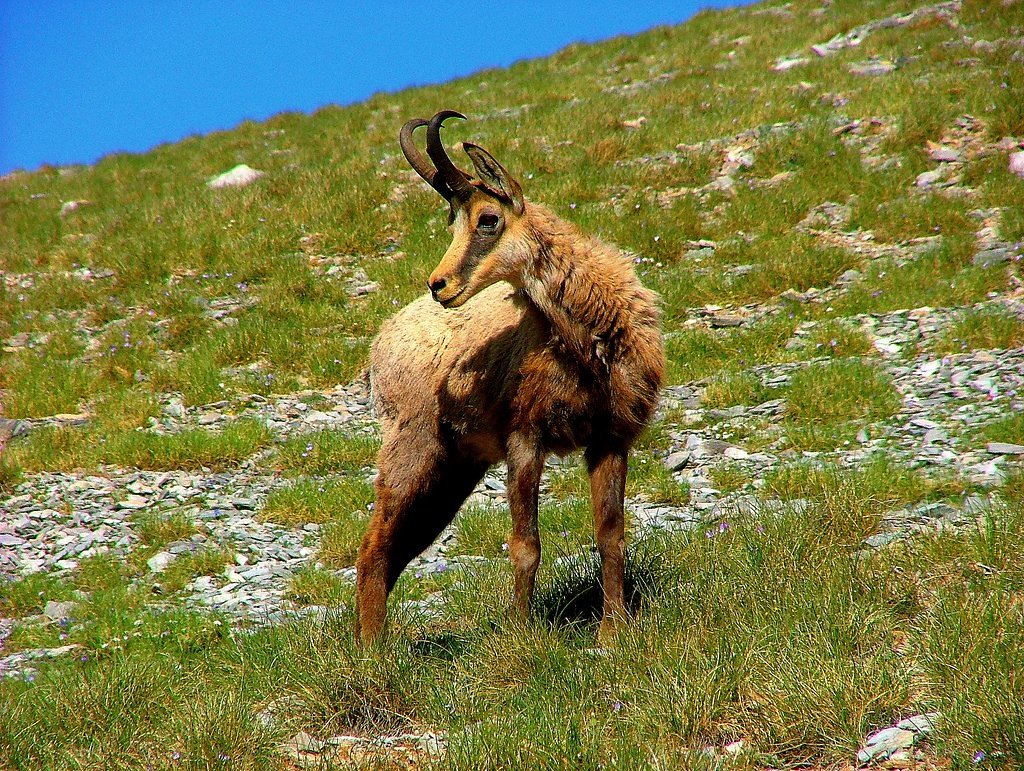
[{"x": 535, "y": 338}]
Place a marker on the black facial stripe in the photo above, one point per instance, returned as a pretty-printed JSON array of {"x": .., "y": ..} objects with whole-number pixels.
[{"x": 480, "y": 245}]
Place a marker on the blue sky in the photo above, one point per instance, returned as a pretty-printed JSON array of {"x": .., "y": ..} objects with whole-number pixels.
[{"x": 82, "y": 79}]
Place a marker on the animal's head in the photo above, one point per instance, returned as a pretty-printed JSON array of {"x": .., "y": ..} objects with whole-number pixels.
[{"x": 486, "y": 216}]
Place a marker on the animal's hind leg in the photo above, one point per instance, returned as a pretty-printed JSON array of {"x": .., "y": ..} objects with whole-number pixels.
[
  {"x": 607, "y": 493},
  {"x": 414, "y": 504}
]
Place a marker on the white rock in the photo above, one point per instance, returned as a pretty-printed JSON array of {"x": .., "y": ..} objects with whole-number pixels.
[
  {"x": 316, "y": 416},
  {"x": 1017, "y": 163},
  {"x": 883, "y": 744},
  {"x": 133, "y": 502},
  {"x": 69, "y": 206},
  {"x": 1004, "y": 448},
  {"x": 783, "y": 64},
  {"x": 735, "y": 748},
  {"x": 944, "y": 155},
  {"x": 885, "y": 345},
  {"x": 55, "y": 611},
  {"x": 240, "y": 176},
  {"x": 677, "y": 460},
  {"x": 922, "y": 724},
  {"x": 158, "y": 562}
]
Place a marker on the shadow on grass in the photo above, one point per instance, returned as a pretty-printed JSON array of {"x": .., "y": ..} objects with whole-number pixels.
[
  {"x": 443, "y": 645},
  {"x": 574, "y": 596}
]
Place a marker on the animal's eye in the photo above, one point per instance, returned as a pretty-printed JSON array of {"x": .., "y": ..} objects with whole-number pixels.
[{"x": 488, "y": 221}]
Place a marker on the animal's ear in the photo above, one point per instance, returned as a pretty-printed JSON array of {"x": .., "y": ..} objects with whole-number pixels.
[{"x": 494, "y": 178}]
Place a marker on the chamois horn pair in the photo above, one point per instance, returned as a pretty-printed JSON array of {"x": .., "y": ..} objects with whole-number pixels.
[{"x": 444, "y": 176}]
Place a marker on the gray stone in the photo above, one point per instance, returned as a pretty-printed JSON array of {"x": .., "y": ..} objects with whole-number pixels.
[
  {"x": 994, "y": 256},
  {"x": 920, "y": 724},
  {"x": 944, "y": 155},
  {"x": 885, "y": 743},
  {"x": 239, "y": 176},
  {"x": 879, "y": 540},
  {"x": 1004, "y": 448},
  {"x": 728, "y": 412},
  {"x": 848, "y": 277},
  {"x": 55, "y": 611},
  {"x": 715, "y": 447},
  {"x": 936, "y": 510},
  {"x": 783, "y": 64},
  {"x": 174, "y": 410},
  {"x": 726, "y": 320},
  {"x": 133, "y": 502},
  {"x": 873, "y": 67},
  {"x": 13, "y": 428},
  {"x": 1016, "y": 164},
  {"x": 929, "y": 178},
  {"x": 677, "y": 460},
  {"x": 158, "y": 562}
]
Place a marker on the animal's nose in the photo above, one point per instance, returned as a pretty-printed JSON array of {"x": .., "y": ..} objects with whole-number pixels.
[{"x": 436, "y": 285}]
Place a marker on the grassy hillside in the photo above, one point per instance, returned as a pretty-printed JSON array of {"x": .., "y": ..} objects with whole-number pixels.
[{"x": 827, "y": 516}]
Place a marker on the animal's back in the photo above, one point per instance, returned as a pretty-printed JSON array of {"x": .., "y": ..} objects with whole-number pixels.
[{"x": 460, "y": 364}]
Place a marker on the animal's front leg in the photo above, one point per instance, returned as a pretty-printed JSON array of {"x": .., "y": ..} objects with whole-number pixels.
[
  {"x": 525, "y": 462},
  {"x": 607, "y": 494}
]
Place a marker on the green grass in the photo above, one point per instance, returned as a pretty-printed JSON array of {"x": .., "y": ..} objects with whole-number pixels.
[
  {"x": 837, "y": 340},
  {"x": 10, "y": 475},
  {"x": 327, "y": 452},
  {"x": 650, "y": 479},
  {"x": 696, "y": 353},
  {"x": 195, "y": 448},
  {"x": 841, "y": 391},
  {"x": 158, "y": 529},
  {"x": 939, "y": 278},
  {"x": 317, "y": 501},
  {"x": 67, "y": 386},
  {"x": 728, "y": 477},
  {"x": 340, "y": 539},
  {"x": 982, "y": 329},
  {"x": 316, "y": 586},
  {"x": 482, "y": 531},
  {"x": 205, "y": 561},
  {"x": 854, "y": 501},
  {"x": 826, "y": 402},
  {"x": 1009, "y": 429},
  {"x": 732, "y": 388}
]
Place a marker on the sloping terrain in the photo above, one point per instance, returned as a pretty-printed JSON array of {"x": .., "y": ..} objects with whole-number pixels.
[{"x": 827, "y": 517}]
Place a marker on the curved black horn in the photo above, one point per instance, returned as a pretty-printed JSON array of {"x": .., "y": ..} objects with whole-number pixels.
[
  {"x": 456, "y": 179},
  {"x": 418, "y": 160}
]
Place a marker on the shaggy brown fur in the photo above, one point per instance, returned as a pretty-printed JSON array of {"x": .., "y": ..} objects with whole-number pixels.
[{"x": 547, "y": 343}]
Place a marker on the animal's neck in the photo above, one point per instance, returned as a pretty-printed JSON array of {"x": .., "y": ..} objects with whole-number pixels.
[{"x": 587, "y": 290}]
